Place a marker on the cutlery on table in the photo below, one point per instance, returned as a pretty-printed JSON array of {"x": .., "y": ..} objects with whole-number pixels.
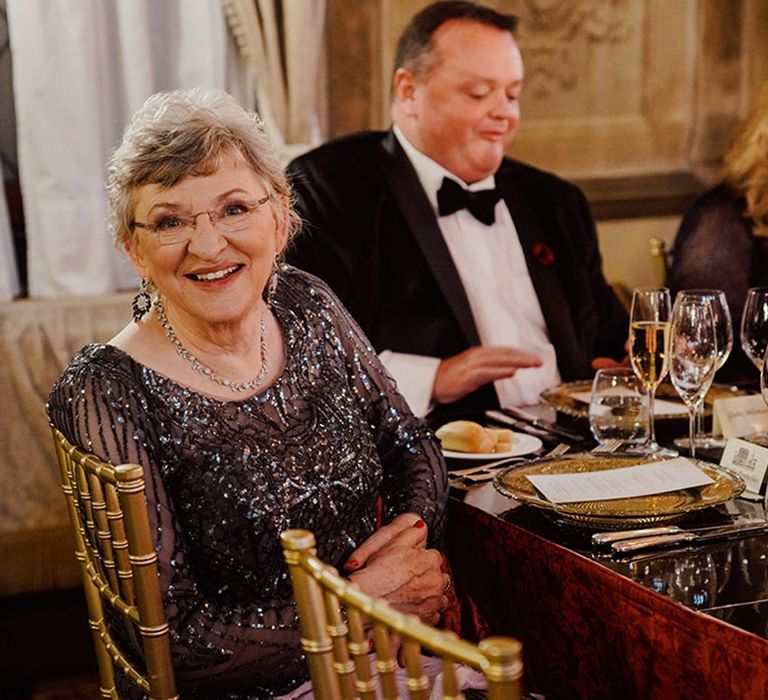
[
  {"x": 503, "y": 419},
  {"x": 486, "y": 472},
  {"x": 694, "y": 536},
  {"x": 607, "y": 447},
  {"x": 547, "y": 426},
  {"x": 603, "y": 538},
  {"x": 483, "y": 467},
  {"x": 560, "y": 449}
]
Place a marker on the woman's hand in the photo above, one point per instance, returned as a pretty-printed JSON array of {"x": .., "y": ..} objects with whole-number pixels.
[
  {"x": 384, "y": 536},
  {"x": 395, "y": 564}
]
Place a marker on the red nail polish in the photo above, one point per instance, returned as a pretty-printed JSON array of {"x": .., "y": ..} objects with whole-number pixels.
[
  {"x": 419, "y": 523},
  {"x": 351, "y": 565}
]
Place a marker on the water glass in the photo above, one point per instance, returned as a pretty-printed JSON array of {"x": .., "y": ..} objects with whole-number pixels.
[{"x": 618, "y": 409}]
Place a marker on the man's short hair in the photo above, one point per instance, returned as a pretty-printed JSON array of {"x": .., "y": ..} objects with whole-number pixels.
[{"x": 415, "y": 44}]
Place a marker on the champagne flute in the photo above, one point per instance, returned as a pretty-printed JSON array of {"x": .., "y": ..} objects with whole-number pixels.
[
  {"x": 648, "y": 349},
  {"x": 692, "y": 355},
  {"x": 754, "y": 325},
  {"x": 721, "y": 315}
]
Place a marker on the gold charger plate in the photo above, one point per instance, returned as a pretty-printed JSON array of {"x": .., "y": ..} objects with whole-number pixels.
[
  {"x": 561, "y": 398},
  {"x": 619, "y": 513}
]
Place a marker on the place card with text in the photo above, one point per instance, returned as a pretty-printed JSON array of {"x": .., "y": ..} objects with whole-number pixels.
[
  {"x": 750, "y": 462},
  {"x": 737, "y": 416},
  {"x": 624, "y": 482}
]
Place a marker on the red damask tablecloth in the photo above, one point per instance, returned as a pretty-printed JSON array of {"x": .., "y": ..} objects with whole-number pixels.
[{"x": 587, "y": 631}]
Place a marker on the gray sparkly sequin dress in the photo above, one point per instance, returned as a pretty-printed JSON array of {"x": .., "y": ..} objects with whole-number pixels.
[{"x": 315, "y": 450}]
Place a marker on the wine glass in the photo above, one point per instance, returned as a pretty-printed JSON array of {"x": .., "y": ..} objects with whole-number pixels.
[
  {"x": 692, "y": 355},
  {"x": 764, "y": 379},
  {"x": 721, "y": 315},
  {"x": 648, "y": 348},
  {"x": 754, "y": 325}
]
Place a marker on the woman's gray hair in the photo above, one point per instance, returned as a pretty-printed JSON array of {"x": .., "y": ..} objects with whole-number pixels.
[{"x": 186, "y": 132}]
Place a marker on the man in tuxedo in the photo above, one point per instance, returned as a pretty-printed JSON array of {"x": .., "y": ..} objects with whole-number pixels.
[{"x": 476, "y": 277}]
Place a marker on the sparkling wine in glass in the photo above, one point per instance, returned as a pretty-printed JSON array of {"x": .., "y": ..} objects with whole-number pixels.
[
  {"x": 692, "y": 355},
  {"x": 721, "y": 315},
  {"x": 754, "y": 325},
  {"x": 648, "y": 348}
]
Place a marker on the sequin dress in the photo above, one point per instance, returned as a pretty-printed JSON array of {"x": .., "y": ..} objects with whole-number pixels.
[{"x": 314, "y": 450}]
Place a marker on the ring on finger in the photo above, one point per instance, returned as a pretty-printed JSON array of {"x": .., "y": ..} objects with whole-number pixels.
[
  {"x": 448, "y": 585},
  {"x": 443, "y": 603}
]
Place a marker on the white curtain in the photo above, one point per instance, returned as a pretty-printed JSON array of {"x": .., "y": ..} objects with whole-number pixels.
[
  {"x": 9, "y": 278},
  {"x": 283, "y": 42},
  {"x": 80, "y": 69}
]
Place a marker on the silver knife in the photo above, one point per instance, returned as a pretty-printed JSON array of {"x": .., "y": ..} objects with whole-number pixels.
[
  {"x": 500, "y": 417},
  {"x": 699, "y": 536},
  {"x": 544, "y": 424},
  {"x": 602, "y": 538},
  {"x": 611, "y": 536}
]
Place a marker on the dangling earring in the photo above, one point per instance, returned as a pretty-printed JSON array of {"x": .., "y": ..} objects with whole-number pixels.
[
  {"x": 272, "y": 284},
  {"x": 142, "y": 302}
]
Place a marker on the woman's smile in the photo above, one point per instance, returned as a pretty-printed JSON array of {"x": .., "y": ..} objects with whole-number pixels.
[{"x": 214, "y": 276}]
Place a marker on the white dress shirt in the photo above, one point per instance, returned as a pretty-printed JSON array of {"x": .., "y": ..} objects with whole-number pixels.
[{"x": 491, "y": 264}]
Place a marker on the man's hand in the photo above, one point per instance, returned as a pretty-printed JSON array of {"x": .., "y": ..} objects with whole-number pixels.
[
  {"x": 462, "y": 374},
  {"x": 608, "y": 362}
]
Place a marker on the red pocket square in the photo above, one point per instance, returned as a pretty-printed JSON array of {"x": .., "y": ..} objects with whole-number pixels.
[{"x": 543, "y": 253}]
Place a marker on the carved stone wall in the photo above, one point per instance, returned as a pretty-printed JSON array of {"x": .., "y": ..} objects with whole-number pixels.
[{"x": 613, "y": 87}]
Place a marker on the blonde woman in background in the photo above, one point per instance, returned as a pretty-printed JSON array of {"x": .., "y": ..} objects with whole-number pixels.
[{"x": 722, "y": 242}]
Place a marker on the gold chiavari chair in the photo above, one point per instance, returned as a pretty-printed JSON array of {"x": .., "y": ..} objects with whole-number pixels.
[
  {"x": 113, "y": 544},
  {"x": 334, "y": 614},
  {"x": 660, "y": 256}
]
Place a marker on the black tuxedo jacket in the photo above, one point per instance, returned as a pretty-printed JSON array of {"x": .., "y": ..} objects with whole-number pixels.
[{"x": 372, "y": 234}]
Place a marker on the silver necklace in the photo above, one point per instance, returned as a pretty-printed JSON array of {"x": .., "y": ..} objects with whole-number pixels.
[{"x": 207, "y": 371}]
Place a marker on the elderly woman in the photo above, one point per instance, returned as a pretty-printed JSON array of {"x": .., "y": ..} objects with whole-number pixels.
[
  {"x": 252, "y": 400},
  {"x": 722, "y": 242}
]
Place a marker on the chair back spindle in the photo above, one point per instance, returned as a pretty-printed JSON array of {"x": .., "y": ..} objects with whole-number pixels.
[
  {"x": 338, "y": 620},
  {"x": 113, "y": 544}
]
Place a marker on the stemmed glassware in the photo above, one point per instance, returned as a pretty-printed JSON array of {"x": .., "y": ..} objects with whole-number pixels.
[
  {"x": 692, "y": 355},
  {"x": 754, "y": 325},
  {"x": 648, "y": 349},
  {"x": 721, "y": 315},
  {"x": 754, "y": 341}
]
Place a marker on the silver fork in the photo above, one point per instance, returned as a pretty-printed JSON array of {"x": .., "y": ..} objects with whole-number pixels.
[
  {"x": 607, "y": 447},
  {"x": 556, "y": 451},
  {"x": 560, "y": 449},
  {"x": 483, "y": 467},
  {"x": 480, "y": 473}
]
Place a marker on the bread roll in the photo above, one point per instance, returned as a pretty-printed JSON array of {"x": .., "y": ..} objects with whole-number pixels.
[
  {"x": 505, "y": 439},
  {"x": 465, "y": 436}
]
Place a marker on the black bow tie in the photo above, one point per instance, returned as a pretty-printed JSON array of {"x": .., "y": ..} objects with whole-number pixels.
[{"x": 481, "y": 204}]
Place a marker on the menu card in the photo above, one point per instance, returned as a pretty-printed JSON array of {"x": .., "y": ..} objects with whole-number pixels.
[{"x": 624, "y": 482}]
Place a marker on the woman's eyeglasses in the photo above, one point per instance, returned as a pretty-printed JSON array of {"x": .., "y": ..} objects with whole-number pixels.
[{"x": 172, "y": 229}]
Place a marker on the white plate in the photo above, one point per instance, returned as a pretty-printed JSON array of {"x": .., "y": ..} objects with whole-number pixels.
[{"x": 524, "y": 444}]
